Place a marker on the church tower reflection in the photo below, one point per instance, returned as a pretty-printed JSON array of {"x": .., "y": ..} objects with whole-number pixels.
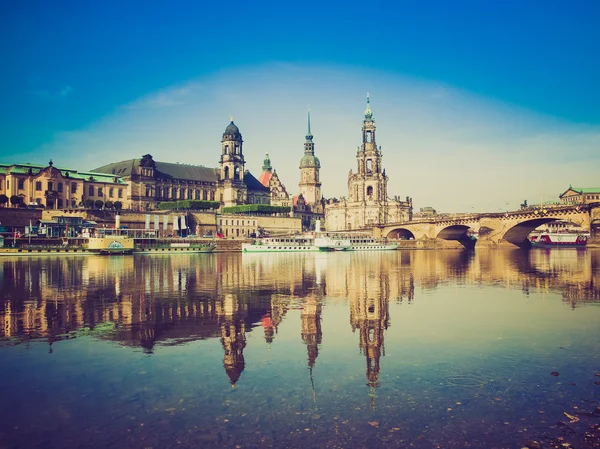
[
  {"x": 311, "y": 332},
  {"x": 369, "y": 314},
  {"x": 232, "y": 312}
]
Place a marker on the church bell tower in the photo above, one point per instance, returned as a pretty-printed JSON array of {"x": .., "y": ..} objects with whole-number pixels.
[
  {"x": 231, "y": 176},
  {"x": 310, "y": 185},
  {"x": 370, "y": 182}
]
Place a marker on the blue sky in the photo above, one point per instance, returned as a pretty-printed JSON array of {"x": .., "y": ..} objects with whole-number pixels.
[{"x": 469, "y": 93}]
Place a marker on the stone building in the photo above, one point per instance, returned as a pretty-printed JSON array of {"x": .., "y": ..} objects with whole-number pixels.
[
  {"x": 578, "y": 195},
  {"x": 60, "y": 188},
  {"x": 367, "y": 203},
  {"x": 150, "y": 182},
  {"x": 309, "y": 204},
  {"x": 278, "y": 193}
]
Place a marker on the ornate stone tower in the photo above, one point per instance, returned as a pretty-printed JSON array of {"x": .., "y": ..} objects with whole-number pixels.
[
  {"x": 310, "y": 186},
  {"x": 369, "y": 184},
  {"x": 231, "y": 177}
]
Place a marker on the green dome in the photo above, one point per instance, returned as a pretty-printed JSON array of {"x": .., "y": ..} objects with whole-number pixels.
[{"x": 310, "y": 161}]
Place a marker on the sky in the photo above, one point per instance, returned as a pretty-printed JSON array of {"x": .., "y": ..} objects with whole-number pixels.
[{"x": 479, "y": 105}]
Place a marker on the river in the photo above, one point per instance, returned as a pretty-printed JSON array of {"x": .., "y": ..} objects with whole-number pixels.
[{"x": 420, "y": 349}]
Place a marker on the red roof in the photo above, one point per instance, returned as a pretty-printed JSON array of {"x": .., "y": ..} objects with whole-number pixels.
[{"x": 265, "y": 177}]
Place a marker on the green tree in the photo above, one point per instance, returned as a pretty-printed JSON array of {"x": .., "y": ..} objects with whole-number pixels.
[
  {"x": 98, "y": 204},
  {"x": 3, "y": 200},
  {"x": 89, "y": 204},
  {"x": 109, "y": 204},
  {"x": 118, "y": 206},
  {"x": 15, "y": 200}
]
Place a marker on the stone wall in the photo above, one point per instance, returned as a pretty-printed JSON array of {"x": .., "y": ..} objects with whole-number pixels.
[{"x": 18, "y": 217}]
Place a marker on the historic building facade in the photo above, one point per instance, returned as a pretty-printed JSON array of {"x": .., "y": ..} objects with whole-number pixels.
[
  {"x": 150, "y": 182},
  {"x": 59, "y": 188},
  {"x": 309, "y": 204},
  {"x": 578, "y": 195},
  {"x": 367, "y": 203},
  {"x": 278, "y": 193}
]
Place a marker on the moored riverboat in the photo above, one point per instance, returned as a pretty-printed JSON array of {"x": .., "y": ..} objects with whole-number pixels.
[
  {"x": 368, "y": 243},
  {"x": 111, "y": 244},
  {"x": 296, "y": 243},
  {"x": 558, "y": 240}
]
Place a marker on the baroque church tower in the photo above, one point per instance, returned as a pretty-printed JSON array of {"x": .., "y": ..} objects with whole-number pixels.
[
  {"x": 367, "y": 204},
  {"x": 231, "y": 176},
  {"x": 369, "y": 184},
  {"x": 310, "y": 185}
]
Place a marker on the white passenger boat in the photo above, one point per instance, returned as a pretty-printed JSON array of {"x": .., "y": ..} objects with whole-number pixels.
[
  {"x": 367, "y": 243},
  {"x": 296, "y": 243}
]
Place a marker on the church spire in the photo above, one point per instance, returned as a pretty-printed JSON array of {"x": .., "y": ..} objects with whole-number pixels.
[
  {"x": 368, "y": 112},
  {"x": 309, "y": 136}
]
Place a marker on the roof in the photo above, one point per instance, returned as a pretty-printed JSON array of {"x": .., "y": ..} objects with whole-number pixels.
[
  {"x": 580, "y": 190},
  {"x": 265, "y": 177},
  {"x": 232, "y": 132},
  {"x": 164, "y": 170},
  {"x": 253, "y": 184},
  {"x": 25, "y": 169}
]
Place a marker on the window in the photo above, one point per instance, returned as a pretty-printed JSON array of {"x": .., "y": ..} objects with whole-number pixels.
[
  {"x": 120, "y": 193},
  {"x": 212, "y": 196},
  {"x": 204, "y": 195},
  {"x": 226, "y": 173},
  {"x": 60, "y": 203},
  {"x": 148, "y": 191},
  {"x": 20, "y": 184},
  {"x": 73, "y": 203},
  {"x": 182, "y": 194},
  {"x": 197, "y": 194},
  {"x": 50, "y": 185},
  {"x": 91, "y": 191},
  {"x": 60, "y": 187},
  {"x": 111, "y": 192},
  {"x": 370, "y": 191},
  {"x": 73, "y": 187},
  {"x": 226, "y": 151},
  {"x": 190, "y": 194},
  {"x": 237, "y": 149},
  {"x": 38, "y": 185},
  {"x": 99, "y": 191}
]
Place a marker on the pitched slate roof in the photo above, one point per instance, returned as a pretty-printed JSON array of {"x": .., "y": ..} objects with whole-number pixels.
[
  {"x": 253, "y": 184},
  {"x": 164, "y": 170}
]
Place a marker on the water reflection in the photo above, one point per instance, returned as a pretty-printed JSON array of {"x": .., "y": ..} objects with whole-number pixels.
[
  {"x": 455, "y": 322},
  {"x": 144, "y": 300}
]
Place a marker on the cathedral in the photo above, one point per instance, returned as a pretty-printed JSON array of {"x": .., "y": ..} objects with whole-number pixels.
[{"x": 367, "y": 203}]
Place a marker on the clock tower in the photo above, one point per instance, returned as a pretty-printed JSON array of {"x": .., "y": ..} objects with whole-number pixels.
[{"x": 310, "y": 185}]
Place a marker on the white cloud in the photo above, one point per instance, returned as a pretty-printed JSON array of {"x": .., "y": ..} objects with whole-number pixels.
[{"x": 444, "y": 147}]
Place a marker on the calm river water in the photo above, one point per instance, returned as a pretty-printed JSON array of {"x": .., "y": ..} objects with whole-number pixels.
[{"x": 423, "y": 349}]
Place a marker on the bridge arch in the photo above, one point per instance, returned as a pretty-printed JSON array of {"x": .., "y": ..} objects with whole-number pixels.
[
  {"x": 453, "y": 232},
  {"x": 400, "y": 234},
  {"x": 517, "y": 235}
]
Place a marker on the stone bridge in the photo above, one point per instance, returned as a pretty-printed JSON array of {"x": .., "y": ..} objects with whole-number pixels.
[{"x": 509, "y": 228}]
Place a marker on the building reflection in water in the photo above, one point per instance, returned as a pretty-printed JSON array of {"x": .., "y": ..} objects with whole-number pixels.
[
  {"x": 369, "y": 296},
  {"x": 145, "y": 301},
  {"x": 312, "y": 333}
]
